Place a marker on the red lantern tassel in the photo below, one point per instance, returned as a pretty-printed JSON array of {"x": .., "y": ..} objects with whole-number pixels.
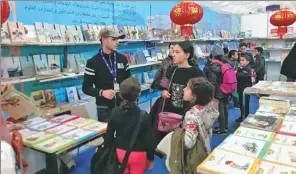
[
  {"x": 186, "y": 30},
  {"x": 282, "y": 30}
]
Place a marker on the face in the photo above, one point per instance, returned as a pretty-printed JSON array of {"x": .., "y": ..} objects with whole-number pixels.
[
  {"x": 256, "y": 52},
  {"x": 243, "y": 62},
  {"x": 111, "y": 43},
  {"x": 235, "y": 56},
  {"x": 243, "y": 49},
  {"x": 188, "y": 96},
  {"x": 179, "y": 56},
  {"x": 171, "y": 51}
]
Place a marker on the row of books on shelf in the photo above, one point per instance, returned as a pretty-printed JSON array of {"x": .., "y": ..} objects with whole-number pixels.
[
  {"x": 276, "y": 87},
  {"x": 51, "y": 135},
  {"x": 18, "y": 33},
  {"x": 267, "y": 45}
]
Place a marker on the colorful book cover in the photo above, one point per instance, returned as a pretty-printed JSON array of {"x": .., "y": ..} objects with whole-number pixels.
[
  {"x": 54, "y": 63},
  {"x": 63, "y": 118},
  {"x": 13, "y": 66},
  {"x": 34, "y": 121},
  {"x": 266, "y": 167},
  {"x": 17, "y": 32},
  {"x": 98, "y": 127},
  {"x": 37, "y": 138},
  {"x": 288, "y": 128},
  {"x": 60, "y": 129},
  {"x": 55, "y": 33},
  {"x": 245, "y": 146},
  {"x": 43, "y": 126},
  {"x": 281, "y": 154},
  {"x": 27, "y": 132},
  {"x": 80, "y": 122},
  {"x": 54, "y": 144},
  {"x": 38, "y": 97},
  {"x": 41, "y": 65},
  {"x": 79, "y": 134},
  {"x": 284, "y": 139},
  {"x": 261, "y": 122},
  {"x": 254, "y": 133},
  {"x": 220, "y": 161},
  {"x": 61, "y": 95},
  {"x": 290, "y": 118},
  {"x": 277, "y": 110},
  {"x": 50, "y": 96},
  {"x": 72, "y": 94}
]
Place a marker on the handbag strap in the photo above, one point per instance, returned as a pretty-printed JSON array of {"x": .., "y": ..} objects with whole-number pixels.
[
  {"x": 162, "y": 108},
  {"x": 132, "y": 142}
]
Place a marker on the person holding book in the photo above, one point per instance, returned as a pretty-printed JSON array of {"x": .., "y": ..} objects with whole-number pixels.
[
  {"x": 244, "y": 80},
  {"x": 259, "y": 64},
  {"x": 104, "y": 72}
]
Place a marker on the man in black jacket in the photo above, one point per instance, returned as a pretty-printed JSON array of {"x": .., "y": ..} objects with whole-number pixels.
[
  {"x": 288, "y": 67},
  {"x": 243, "y": 52},
  {"x": 105, "y": 71}
]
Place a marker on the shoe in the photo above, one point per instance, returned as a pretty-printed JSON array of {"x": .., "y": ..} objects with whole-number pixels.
[
  {"x": 218, "y": 132},
  {"x": 217, "y": 128},
  {"x": 238, "y": 120}
]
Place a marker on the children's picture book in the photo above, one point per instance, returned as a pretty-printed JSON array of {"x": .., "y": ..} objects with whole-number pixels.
[
  {"x": 55, "y": 33},
  {"x": 277, "y": 110},
  {"x": 54, "y": 144},
  {"x": 261, "y": 122},
  {"x": 80, "y": 122},
  {"x": 31, "y": 34},
  {"x": 43, "y": 126},
  {"x": 17, "y": 105},
  {"x": 60, "y": 129},
  {"x": 61, "y": 95},
  {"x": 13, "y": 66},
  {"x": 50, "y": 97},
  {"x": 79, "y": 134},
  {"x": 290, "y": 118},
  {"x": 81, "y": 62},
  {"x": 41, "y": 65},
  {"x": 27, "y": 132},
  {"x": 99, "y": 127},
  {"x": 72, "y": 66},
  {"x": 266, "y": 167},
  {"x": 72, "y": 94},
  {"x": 38, "y": 97},
  {"x": 37, "y": 138},
  {"x": 54, "y": 63},
  {"x": 220, "y": 161},
  {"x": 288, "y": 128},
  {"x": 254, "y": 133},
  {"x": 32, "y": 121},
  {"x": 284, "y": 139},
  {"x": 27, "y": 65},
  {"x": 281, "y": 154},
  {"x": 17, "y": 32},
  {"x": 245, "y": 146},
  {"x": 64, "y": 118}
]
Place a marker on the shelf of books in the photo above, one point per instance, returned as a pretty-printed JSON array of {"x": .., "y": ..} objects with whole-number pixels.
[{"x": 264, "y": 143}]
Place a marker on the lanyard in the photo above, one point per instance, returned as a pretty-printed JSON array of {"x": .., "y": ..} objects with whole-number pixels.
[{"x": 114, "y": 70}]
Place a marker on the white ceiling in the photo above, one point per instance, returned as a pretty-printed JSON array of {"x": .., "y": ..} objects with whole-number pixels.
[{"x": 245, "y": 7}]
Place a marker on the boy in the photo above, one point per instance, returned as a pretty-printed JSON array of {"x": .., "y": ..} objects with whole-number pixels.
[
  {"x": 244, "y": 80},
  {"x": 232, "y": 59},
  {"x": 243, "y": 52}
]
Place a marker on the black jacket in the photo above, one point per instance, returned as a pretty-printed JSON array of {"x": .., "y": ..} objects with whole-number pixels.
[
  {"x": 288, "y": 67},
  {"x": 243, "y": 76},
  {"x": 214, "y": 76},
  {"x": 97, "y": 77},
  {"x": 259, "y": 66}
]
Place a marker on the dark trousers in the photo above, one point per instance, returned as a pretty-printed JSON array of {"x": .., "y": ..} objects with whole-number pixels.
[
  {"x": 223, "y": 114},
  {"x": 244, "y": 111},
  {"x": 103, "y": 113}
]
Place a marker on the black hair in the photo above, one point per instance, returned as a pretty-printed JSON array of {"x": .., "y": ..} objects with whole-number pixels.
[
  {"x": 187, "y": 47},
  {"x": 259, "y": 49},
  {"x": 248, "y": 58},
  {"x": 225, "y": 50},
  {"x": 203, "y": 90},
  {"x": 220, "y": 57},
  {"x": 130, "y": 90},
  {"x": 243, "y": 45},
  {"x": 170, "y": 44},
  {"x": 231, "y": 53}
]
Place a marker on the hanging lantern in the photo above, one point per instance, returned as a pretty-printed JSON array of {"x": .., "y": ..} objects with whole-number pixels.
[
  {"x": 282, "y": 19},
  {"x": 186, "y": 14},
  {"x": 5, "y": 11}
]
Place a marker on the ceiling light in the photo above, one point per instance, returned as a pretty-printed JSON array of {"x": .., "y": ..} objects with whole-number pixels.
[
  {"x": 224, "y": 3},
  {"x": 215, "y": 2}
]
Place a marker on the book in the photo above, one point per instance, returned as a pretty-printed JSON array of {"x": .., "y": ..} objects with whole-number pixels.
[
  {"x": 245, "y": 146},
  {"x": 81, "y": 94},
  {"x": 261, "y": 122},
  {"x": 220, "y": 161},
  {"x": 54, "y": 63},
  {"x": 38, "y": 97},
  {"x": 54, "y": 144},
  {"x": 288, "y": 128},
  {"x": 43, "y": 33},
  {"x": 37, "y": 138},
  {"x": 13, "y": 66},
  {"x": 276, "y": 110},
  {"x": 80, "y": 122},
  {"x": 290, "y": 118},
  {"x": 27, "y": 66},
  {"x": 66, "y": 35},
  {"x": 17, "y": 105},
  {"x": 72, "y": 94},
  {"x": 63, "y": 118},
  {"x": 43, "y": 126},
  {"x": 292, "y": 112},
  {"x": 254, "y": 133},
  {"x": 4, "y": 72},
  {"x": 281, "y": 154},
  {"x": 41, "y": 64},
  {"x": 55, "y": 33},
  {"x": 265, "y": 167},
  {"x": 284, "y": 139},
  {"x": 33, "y": 121},
  {"x": 60, "y": 129},
  {"x": 81, "y": 62},
  {"x": 5, "y": 35},
  {"x": 31, "y": 34},
  {"x": 79, "y": 134},
  {"x": 27, "y": 132},
  {"x": 99, "y": 127},
  {"x": 71, "y": 64},
  {"x": 17, "y": 32},
  {"x": 50, "y": 97}
]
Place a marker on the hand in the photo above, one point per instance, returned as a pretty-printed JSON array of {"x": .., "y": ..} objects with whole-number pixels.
[
  {"x": 108, "y": 94},
  {"x": 165, "y": 94},
  {"x": 149, "y": 165}
]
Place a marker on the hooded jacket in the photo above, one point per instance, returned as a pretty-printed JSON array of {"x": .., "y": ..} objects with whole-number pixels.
[{"x": 288, "y": 67}]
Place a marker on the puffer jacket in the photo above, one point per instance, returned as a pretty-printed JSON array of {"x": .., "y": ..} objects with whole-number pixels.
[{"x": 214, "y": 76}]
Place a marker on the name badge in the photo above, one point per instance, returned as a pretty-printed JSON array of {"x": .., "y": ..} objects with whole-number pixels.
[
  {"x": 116, "y": 87},
  {"x": 120, "y": 65}
]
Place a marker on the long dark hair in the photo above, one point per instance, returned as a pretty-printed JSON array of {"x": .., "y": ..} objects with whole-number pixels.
[
  {"x": 203, "y": 90},
  {"x": 187, "y": 47}
]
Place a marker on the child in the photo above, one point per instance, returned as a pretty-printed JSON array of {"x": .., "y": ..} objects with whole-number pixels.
[
  {"x": 232, "y": 59},
  {"x": 201, "y": 117},
  {"x": 243, "y": 52},
  {"x": 259, "y": 64},
  {"x": 123, "y": 122},
  {"x": 244, "y": 80}
]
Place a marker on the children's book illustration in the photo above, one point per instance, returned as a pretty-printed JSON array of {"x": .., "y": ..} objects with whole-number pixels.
[
  {"x": 281, "y": 154},
  {"x": 254, "y": 133},
  {"x": 272, "y": 168},
  {"x": 261, "y": 122}
]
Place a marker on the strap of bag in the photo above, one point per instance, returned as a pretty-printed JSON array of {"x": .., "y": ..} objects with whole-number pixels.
[
  {"x": 132, "y": 142},
  {"x": 162, "y": 108}
]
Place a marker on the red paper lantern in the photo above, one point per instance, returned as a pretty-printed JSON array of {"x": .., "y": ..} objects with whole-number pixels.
[
  {"x": 186, "y": 14},
  {"x": 5, "y": 11},
  {"x": 282, "y": 19}
]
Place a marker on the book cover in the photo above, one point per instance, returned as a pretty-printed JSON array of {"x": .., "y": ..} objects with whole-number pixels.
[
  {"x": 27, "y": 65},
  {"x": 13, "y": 66},
  {"x": 245, "y": 146},
  {"x": 281, "y": 154},
  {"x": 128, "y": 32},
  {"x": 27, "y": 132},
  {"x": 99, "y": 127},
  {"x": 55, "y": 33},
  {"x": 60, "y": 129},
  {"x": 17, "y": 32},
  {"x": 261, "y": 122},
  {"x": 39, "y": 97},
  {"x": 266, "y": 167},
  {"x": 254, "y": 133},
  {"x": 54, "y": 144},
  {"x": 290, "y": 118},
  {"x": 54, "y": 63},
  {"x": 50, "y": 96},
  {"x": 31, "y": 34},
  {"x": 66, "y": 35},
  {"x": 42, "y": 33},
  {"x": 77, "y": 34},
  {"x": 41, "y": 65},
  {"x": 63, "y": 118},
  {"x": 5, "y": 35},
  {"x": 276, "y": 110},
  {"x": 33, "y": 121},
  {"x": 72, "y": 66},
  {"x": 79, "y": 134},
  {"x": 220, "y": 161},
  {"x": 43, "y": 126},
  {"x": 284, "y": 139},
  {"x": 37, "y": 138},
  {"x": 72, "y": 94},
  {"x": 288, "y": 128},
  {"x": 81, "y": 62},
  {"x": 80, "y": 122}
]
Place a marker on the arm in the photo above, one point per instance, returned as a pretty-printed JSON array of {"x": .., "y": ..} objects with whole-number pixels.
[
  {"x": 88, "y": 82},
  {"x": 261, "y": 67},
  {"x": 244, "y": 74},
  {"x": 111, "y": 128},
  {"x": 215, "y": 74},
  {"x": 149, "y": 140},
  {"x": 191, "y": 130}
]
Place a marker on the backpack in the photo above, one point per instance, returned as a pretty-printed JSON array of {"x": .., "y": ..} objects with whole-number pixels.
[{"x": 229, "y": 82}]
